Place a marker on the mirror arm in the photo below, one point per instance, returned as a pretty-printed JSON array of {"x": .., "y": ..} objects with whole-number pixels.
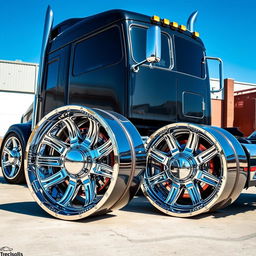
[{"x": 136, "y": 67}]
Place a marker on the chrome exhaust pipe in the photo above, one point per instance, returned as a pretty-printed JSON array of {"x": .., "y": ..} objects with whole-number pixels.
[
  {"x": 191, "y": 21},
  {"x": 46, "y": 35}
]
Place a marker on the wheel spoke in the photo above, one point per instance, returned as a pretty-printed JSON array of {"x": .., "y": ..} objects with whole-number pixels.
[
  {"x": 194, "y": 192},
  {"x": 12, "y": 171},
  {"x": 7, "y": 151},
  {"x": 73, "y": 130},
  {"x": 52, "y": 161},
  {"x": 207, "y": 155},
  {"x": 6, "y": 163},
  {"x": 172, "y": 143},
  {"x": 90, "y": 190},
  {"x": 207, "y": 178},
  {"x": 55, "y": 143},
  {"x": 158, "y": 178},
  {"x": 14, "y": 143},
  {"x": 54, "y": 179},
  {"x": 69, "y": 194},
  {"x": 92, "y": 133},
  {"x": 103, "y": 150},
  {"x": 192, "y": 143},
  {"x": 159, "y": 156},
  {"x": 174, "y": 194},
  {"x": 102, "y": 170}
]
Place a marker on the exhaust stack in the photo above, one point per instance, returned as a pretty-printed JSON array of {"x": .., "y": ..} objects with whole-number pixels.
[
  {"x": 191, "y": 21},
  {"x": 46, "y": 35}
]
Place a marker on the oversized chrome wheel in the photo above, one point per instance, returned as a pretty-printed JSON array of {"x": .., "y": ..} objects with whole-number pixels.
[
  {"x": 82, "y": 162},
  {"x": 11, "y": 159},
  {"x": 193, "y": 169}
]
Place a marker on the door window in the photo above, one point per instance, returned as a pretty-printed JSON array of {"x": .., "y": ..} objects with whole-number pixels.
[{"x": 98, "y": 51}]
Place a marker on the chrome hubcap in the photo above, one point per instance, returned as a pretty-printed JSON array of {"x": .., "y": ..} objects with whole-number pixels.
[
  {"x": 181, "y": 167},
  {"x": 77, "y": 162},
  {"x": 11, "y": 157}
]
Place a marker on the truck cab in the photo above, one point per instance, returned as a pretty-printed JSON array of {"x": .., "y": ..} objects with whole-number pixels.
[{"x": 89, "y": 63}]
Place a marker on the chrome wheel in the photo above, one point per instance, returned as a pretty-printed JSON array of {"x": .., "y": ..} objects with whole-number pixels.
[
  {"x": 192, "y": 169},
  {"x": 11, "y": 157},
  {"x": 81, "y": 163}
]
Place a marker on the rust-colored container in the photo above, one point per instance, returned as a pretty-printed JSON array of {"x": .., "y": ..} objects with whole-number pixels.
[{"x": 245, "y": 110}]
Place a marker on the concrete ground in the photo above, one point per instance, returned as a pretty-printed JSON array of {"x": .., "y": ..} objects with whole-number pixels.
[{"x": 138, "y": 229}]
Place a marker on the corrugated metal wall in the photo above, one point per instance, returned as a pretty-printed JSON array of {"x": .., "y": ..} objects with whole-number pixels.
[
  {"x": 16, "y": 76},
  {"x": 17, "y": 84}
]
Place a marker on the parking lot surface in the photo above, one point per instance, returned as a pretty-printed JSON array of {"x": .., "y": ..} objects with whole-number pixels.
[{"x": 138, "y": 229}]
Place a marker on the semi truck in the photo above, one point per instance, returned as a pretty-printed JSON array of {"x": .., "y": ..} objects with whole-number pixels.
[{"x": 122, "y": 102}]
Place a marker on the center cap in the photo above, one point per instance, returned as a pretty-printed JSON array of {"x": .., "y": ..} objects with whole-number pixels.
[
  {"x": 180, "y": 168},
  {"x": 74, "y": 161}
]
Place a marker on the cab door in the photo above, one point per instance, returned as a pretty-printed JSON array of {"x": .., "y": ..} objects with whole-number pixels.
[
  {"x": 153, "y": 87},
  {"x": 193, "y": 96},
  {"x": 54, "y": 90}
]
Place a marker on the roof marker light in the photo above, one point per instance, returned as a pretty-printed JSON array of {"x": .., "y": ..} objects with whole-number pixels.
[
  {"x": 166, "y": 22},
  {"x": 155, "y": 18},
  {"x": 196, "y": 34},
  {"x": 182, "y": 27},
  {"x": 174, "y": 24}
]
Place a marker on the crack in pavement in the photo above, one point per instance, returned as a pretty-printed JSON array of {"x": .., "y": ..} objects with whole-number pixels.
[{"x": 166, "y": 238}]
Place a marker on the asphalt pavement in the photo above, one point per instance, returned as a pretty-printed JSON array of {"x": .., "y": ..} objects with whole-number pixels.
[{"x": 137, "y": 229}]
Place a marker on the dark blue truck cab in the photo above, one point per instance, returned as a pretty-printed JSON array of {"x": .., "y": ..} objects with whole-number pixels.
[{"x": 89, "y": 63}]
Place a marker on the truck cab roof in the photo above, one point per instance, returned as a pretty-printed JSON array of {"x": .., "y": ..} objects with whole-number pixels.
[{"x": 75, "y": 28}]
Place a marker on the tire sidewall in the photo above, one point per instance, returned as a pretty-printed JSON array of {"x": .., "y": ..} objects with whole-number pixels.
[{"x": 20, "y": 176}]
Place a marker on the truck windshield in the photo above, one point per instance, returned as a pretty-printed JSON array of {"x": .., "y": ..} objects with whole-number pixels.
[
  {"x": 138, "y": 39},
  {"x": 189, "y": 57}
]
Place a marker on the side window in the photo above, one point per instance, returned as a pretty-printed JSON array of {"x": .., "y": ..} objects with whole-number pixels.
[
  {"x": 138, "y": 39},
  {"x": 98, "y": 51},
  {"x": 189, "y": 57},
  {"x": 52, "y": 74}
]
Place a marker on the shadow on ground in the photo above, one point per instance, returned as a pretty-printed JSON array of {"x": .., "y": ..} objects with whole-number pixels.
[
  {"x": 3, "y": 181},
  {"x": 245, "y": 203},
  {"x": 33, "y": 209},
  {"x": 141, "y": 205},
  {"x": 27, "y": 208}
]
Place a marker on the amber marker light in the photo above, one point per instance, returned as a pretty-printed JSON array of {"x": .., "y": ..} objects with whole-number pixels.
[
  {"x": 155, "y": 18},
  {"x": 174, "y": 25},
  {"x": 182, "y": 27},
  {"x": 166, "y": 22},
  {"x": 196, "y": 34}
]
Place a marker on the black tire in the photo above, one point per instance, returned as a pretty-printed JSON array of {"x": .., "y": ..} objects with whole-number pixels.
[{"x": 19, "y": 176}]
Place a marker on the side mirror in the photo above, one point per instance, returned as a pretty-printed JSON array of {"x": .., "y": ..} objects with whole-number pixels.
[{"x": 153, "y": 47}]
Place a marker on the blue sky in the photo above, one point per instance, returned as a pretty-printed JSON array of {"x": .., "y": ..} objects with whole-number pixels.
[{"x": 228, "y": 28}]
